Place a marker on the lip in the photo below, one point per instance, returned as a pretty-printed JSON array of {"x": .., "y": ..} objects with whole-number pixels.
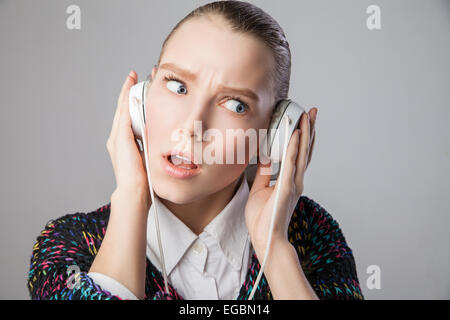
[
  {"x": 176, "y": 172},
  {"x": 182, "y": 153}
]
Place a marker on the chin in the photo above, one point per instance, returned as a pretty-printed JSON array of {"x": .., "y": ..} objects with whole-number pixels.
[
  {"x": 175, "y": 193},
  {"x": 176, "y": 198}
]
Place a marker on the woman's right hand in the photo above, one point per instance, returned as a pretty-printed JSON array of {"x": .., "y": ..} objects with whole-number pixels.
[
  {"x": 127, "y": 161},
  {"x": 122, "y": 255}
]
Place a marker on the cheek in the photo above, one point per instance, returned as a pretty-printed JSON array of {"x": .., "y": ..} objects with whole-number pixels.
[
  {"x": 221, "y": 175},
  {"x": 160, "y": 117},
  {"x": 155, "y": 126},
  {"x": 239, "y": 146}
]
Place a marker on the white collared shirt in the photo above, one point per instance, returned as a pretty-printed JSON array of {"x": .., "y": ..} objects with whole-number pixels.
[{"x": 212, "y": 265}]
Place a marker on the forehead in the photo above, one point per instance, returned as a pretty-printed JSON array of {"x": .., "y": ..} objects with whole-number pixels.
[{"x": 208, "y": 47}]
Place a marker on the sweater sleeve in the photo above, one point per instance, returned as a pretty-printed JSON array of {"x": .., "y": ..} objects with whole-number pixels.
[
  {"x": 112, "y": 285},
  {"x": 324, "y": 254},
  {"x": 62, "y": 256}
]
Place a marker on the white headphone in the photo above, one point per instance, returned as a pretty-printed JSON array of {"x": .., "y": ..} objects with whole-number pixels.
[{"x": 284, "y": 120}]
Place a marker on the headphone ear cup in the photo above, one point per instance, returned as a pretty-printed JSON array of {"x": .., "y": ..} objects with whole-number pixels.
[
  {"x": 135, "y": 105},
  {"x": 144, "y": 96},
  {"x": 272, "y": 134},
  {"x": 276, "y": 135},
  {"x": 266, "y": 144},
  {"x": 135, "y": 118}
]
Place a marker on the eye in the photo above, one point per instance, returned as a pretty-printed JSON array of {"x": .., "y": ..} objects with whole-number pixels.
[
  {"x": 175, "y": 85},
  {"x": 236, "y": 105}
]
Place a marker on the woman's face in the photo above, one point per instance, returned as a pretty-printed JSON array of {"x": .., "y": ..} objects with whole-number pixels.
[{"x": 201, "y": 61}]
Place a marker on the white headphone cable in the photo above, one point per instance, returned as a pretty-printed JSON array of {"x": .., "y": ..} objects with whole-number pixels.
[
  {"x": 272, "y": 221},
  {"x": 161, "y": 253}
]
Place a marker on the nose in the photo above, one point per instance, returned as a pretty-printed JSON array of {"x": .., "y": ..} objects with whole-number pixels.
[
  {"x": 189, "y": 133},
  {"x": 195, "y": 123}
]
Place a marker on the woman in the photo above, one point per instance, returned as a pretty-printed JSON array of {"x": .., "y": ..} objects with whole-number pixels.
[{"x": 215, "y": 227}]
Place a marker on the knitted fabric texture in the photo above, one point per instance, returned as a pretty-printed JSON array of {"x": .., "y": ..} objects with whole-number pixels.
[{"x": 74, "y": 239}]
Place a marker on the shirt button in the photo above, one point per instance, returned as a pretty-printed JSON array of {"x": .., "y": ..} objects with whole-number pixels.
[{"x": 197, "y": 248}]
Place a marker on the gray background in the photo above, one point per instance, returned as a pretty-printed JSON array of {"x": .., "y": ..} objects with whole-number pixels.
[{"x": 381, "y": 162}]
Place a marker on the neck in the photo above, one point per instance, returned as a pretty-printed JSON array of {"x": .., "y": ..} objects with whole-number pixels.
[{"x": 198, "y": 214}]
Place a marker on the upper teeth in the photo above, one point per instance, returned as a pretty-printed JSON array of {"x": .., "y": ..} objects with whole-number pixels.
[{"x": 183, "y": 158}]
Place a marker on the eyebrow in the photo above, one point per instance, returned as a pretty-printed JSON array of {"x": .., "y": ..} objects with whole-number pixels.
[{"x": 193, "y": 77}]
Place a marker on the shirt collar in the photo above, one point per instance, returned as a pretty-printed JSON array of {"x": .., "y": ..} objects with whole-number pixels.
[{"x": 228, "y": 228}]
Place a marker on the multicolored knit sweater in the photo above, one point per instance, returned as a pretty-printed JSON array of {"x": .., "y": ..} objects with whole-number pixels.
[{"x": 74, "y": 239}]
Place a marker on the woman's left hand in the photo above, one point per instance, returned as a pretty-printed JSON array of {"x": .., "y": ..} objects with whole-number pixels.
[{"x": 259, "y": 207}]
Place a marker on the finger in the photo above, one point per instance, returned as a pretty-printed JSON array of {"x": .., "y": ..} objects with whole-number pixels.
[
  {"x": 124, "y": 116},
  {"x": 118, "y": 109},
  {"x": 311, "y": 113},
  {"x": 291, "y": 161},
  {"x": 124, "y": 92},
  {"x": 313, "y": 134},
  {"x": 131, "y": 76},
  {"x": 304, "y": 146},
  {"x": 262, "y": 177},
  {"x": 312, "y": 146},
  {"x": 117, "y": 112}
]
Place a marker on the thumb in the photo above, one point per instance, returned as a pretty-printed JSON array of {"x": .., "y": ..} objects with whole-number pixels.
[{"x": 262, "y": 177}]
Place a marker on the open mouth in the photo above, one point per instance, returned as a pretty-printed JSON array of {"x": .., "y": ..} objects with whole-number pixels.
[
  {"x": 179, "y": 166},
  {"x": 181, "y": 162}
]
